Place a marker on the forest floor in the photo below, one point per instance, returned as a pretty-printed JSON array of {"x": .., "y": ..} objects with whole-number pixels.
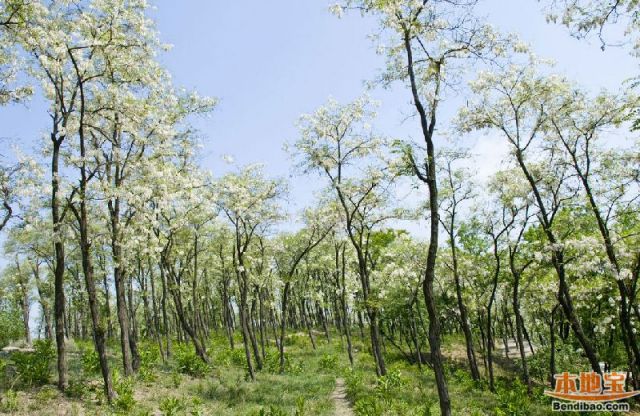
[
  {"x": 340, "y": 401},
  {"x": 316, "y": 382}
]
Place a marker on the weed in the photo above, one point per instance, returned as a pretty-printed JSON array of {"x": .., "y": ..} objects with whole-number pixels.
[
  {"x": 172, "y": 406},
  {"x": 34, "y": 368}
]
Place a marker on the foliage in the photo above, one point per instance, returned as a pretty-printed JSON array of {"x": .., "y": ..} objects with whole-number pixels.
[
  {"x": 89, "y": 359},
  {"x": 512, "y": 399},
  {"x": 189, "y": 363},
  {"x": 9, "y": 401},
  {"x": 368, "y": 406},
  {"x": 172, "y": 406},
  {"x": 328, "y": 362},
  {"x": 123, "y": 386},
  {"x": 11, "y": 327},
  {"x": 34, "y": 368}
]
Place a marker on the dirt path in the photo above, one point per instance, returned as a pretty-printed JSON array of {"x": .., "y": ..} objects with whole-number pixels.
[
  {"x": 339, "y": 397},
  {"x": 514, "y": 352}
]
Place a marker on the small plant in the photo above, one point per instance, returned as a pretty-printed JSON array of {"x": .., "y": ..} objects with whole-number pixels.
[
  {"x": 368, "y": 406},
  {"x": 176, "y": 379},
  {"x": 512, "y": 399},
  {"x": 387, "y": 384},
  {"x": 149, "y": 356},
  {"x": 328, "y": 362},
  {"x": 272, "y": 411},
  {"x": 90, "y": 360},
  {"x": 34, "y": 368},
  {"x": 189, "y": 363},
  {"x": 9, "y": 402},
  {"x": 76, "y": 389},
  {"x": 300, "y": 402},
  {"x": 124, "y": 389},
  {"x": 172, "y": 406},
  {"x": 46, "y": 393},
  {"x": 294, "y": 367},
  {"x": 238, "y": 357},
  {"x": 354, "y": 383},
  {"x": 272, "y": 362}
]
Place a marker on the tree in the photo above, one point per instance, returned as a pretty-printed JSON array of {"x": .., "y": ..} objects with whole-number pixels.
[
  {"x": 456, "y": 189},
  {"x": 337, "y": 142},
  {"x": 584, "y": 17},
  {"x": 429, "y": 39},
  {"x": 517, "y": 102},
  {"x": 291, "y": 250},
  {"x": 250, "y": 204}
]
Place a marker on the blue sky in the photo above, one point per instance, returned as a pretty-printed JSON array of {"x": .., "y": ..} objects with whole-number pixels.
[{"x": 270, "y": 61}]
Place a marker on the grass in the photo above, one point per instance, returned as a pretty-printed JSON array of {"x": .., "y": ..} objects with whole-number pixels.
[{"x": 305, "y": 389}]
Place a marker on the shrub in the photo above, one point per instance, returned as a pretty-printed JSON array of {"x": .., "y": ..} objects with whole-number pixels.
[
  {"x": 238, "y": 357},
  {"x": 9, "y": 402},
  {"x": 300, "y": 402},
  {"x": 328, "y": 362},
  {"x": 172, "y": 406},
  {"x": 354, "y": 383},
  {"x": 124, "y": 389},
  {"x": 512, "y": 399},
  {"x": 176, "y": 379},
  {"x": 11, "y": 327},
  {"x": 271, "y": 362},
  {"x": 149, "y": 356},
  {"x": 34, "y": 368},
  {"x": 387, "y": 384},
  {"x": 272, "y": 411},
  {"x": 89, "y": 359},
  {"x": 368, "y": 406},
  {"x": 189, "y": 363},
  {"x": 76, "y": 389}
]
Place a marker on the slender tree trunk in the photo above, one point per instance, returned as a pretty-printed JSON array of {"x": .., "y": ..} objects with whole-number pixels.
[
  {"x": 58, "y": 271},
  {"x": 519, "y": 329},
  {"x": 464, "y": 316},
  {"x": 25, "y": 307},
  {"x": 283, "y": 323},
  {"x": 165, "y": 316},
  {"x": 557, "y": 259},
  {"x": 428, "y": 125},
  {"x": 552, "y": 352},
  {"x": 245, "y": 332},
  {"x": 306, "y": 323},
  {"x": 85, "y": 249}
]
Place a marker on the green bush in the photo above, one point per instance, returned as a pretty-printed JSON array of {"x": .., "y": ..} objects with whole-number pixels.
[
  {"x": 76, "y": 389},
  {"x": 124, "y": 389},
  {"x": 149, "y": 357},
  {"x": 354, "y": 383},
  {"x": 328, "y": 361},
  {"x": 387, "y": 384},
  {"x": 271, "y": 362},
  {"x": 271, "y": 411},
  {"x": 11, "y": 326},
  {"x": 172, "y": 406},
  {"x": 238, "y": 357},
  {"x": 368, "y": 406},
  {"x": 9, "y": 401},
  {"x": 89, "y": 359},
  {"x": 34, "y": 368},
  {"x": 300, "y": 403},
  {"x": 189, "y": 363},
  {"x": 512, "y": 399}
]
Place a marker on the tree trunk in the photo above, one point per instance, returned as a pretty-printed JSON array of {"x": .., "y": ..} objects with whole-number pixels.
[{"x": 58, "y": 271}]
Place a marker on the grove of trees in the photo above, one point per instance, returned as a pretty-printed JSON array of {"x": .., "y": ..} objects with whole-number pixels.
[{"x": 115, "y": 234}]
